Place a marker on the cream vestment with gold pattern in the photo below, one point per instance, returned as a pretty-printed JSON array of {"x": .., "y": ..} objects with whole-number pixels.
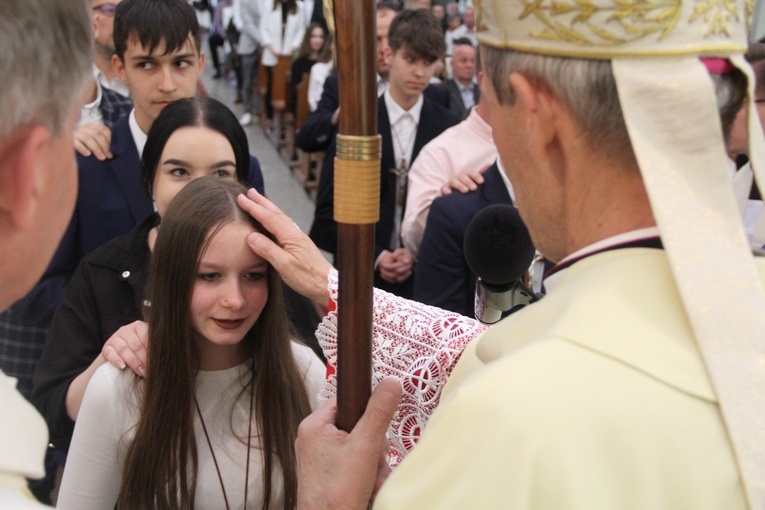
[{"x": 594, "y": 398}]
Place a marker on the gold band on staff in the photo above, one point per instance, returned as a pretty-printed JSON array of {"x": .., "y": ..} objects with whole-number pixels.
[
  {"x": 357, "y": 178},
  {"x": 359, "y": 148}
]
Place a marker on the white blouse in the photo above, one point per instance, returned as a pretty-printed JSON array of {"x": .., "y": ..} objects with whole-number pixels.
[{"x": 106, "y": 422}]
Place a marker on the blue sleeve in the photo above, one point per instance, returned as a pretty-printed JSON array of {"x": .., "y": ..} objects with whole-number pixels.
[
  {"x": 317, "y": 132},
  {"x": 442, "y": 277}
]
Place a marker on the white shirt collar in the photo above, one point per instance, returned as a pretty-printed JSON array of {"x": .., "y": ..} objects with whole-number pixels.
[
  {"x": 91, "y": 112},
  {"x": 382, "y": 86},
  {"x": 461, "y": 87},
  {"x": 395, "y": 111},
  {"x": 139, "y": 137},
  {"x": 116, "y": 84},
  {"x": 625, "y": 237}
]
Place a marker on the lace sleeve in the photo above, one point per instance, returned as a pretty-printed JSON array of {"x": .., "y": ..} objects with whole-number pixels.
[{"x": 416, "y": 344}]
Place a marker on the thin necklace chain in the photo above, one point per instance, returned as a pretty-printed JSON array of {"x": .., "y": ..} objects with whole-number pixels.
[
  {"x": 402, "y": 170},
  {"x": 215, "y": 460},
  {"x": 404, "y": 150}
]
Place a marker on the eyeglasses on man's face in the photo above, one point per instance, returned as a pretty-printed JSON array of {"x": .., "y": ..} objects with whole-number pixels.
[{"x": 108, "y": 9}]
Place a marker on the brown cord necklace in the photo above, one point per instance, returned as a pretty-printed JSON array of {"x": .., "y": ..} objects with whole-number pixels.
[{"x": 215, "y": 460}]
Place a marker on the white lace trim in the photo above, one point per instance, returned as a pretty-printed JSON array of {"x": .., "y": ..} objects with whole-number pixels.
[{"x": 416, "y": 344}]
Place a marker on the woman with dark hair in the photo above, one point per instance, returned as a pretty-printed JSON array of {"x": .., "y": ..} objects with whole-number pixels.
[
  {"x": 316, "y": 47},
  {"x": 213, "y": 423},
  {"x": 196, "y": 115},
  {"x": 99, "y": 317}
]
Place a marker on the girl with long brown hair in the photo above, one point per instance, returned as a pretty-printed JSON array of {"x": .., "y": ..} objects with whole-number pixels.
[
  {"x": 213, "y": 423},
  {"x": 316, "y": 47}
]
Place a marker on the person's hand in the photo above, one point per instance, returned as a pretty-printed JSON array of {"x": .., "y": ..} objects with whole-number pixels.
[
  {"x": 127, "y": 347},
  {"x": 464, "y": 183},
  {"x": 335, "y": 117},
  {"x": 396, "y": 266},
  {"x": 298, "y": 261},
  {"x": 342, "y": 471},
  {"x": 93, "y": 138}
]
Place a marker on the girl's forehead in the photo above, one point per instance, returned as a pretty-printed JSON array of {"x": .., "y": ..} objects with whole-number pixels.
[{"x": 228, "y": 245}]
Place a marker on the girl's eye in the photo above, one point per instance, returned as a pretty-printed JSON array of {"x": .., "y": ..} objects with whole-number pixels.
[
  {"x": 179, "y": 172},
  {"x": 209, "y": 276},
  {"x": 255, "y": 275},
  {"x": 222, "y": 173}
]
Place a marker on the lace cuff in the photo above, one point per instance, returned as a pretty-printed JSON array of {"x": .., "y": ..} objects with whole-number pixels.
[{"x": 416, "y": 344}]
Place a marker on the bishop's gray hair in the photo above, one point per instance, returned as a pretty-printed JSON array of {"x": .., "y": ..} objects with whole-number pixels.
[
  {"x": 588, "y": 88},
  {"x": 45, "y": 58}
]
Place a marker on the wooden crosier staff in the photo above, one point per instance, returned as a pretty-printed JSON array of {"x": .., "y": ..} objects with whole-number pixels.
[{"x": 357, "y": 203}]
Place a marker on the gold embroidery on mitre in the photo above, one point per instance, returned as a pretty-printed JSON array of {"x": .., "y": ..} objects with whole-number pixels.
[
  {"x": 617, "y": 22},
  {"x": 717, "y": 13},
  {"x": 611, "y": 23}
]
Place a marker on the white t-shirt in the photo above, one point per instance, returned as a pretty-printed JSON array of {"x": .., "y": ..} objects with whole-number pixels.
[{"x": 105, "y": 427}]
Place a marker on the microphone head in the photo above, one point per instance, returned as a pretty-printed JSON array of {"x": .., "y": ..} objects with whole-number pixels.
[{"x": 498, "y": 246}]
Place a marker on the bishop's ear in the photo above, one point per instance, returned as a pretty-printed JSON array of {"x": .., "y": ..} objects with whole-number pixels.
[
  {"x": 539, "y": 107},
  {"x": 21, "y": 162}
]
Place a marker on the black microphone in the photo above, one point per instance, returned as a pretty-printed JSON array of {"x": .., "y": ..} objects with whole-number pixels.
[{"x": 499, "y": 251}]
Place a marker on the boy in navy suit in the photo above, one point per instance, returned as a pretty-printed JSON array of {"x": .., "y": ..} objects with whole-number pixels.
[{"x": 406, "y": 121}]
